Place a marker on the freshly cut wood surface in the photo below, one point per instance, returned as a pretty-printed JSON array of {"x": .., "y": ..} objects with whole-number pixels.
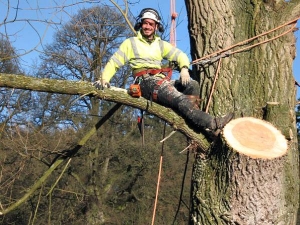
[{"x": 255, "y": 138}]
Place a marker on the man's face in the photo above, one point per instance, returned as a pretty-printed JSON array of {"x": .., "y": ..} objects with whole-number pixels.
[{"x": 148, "y": 28}]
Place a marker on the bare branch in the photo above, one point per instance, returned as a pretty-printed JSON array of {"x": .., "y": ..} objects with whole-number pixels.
[{"x": 125, "y": 14}]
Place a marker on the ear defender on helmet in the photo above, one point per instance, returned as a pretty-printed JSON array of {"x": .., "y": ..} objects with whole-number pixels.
[
  {"x": 148, "y": 13},
  {"x": 161, "y": 29},
  {"x": 137, "y": 26}
]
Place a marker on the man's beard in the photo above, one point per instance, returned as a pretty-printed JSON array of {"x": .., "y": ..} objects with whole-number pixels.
[{"x": 148, "y": 36}]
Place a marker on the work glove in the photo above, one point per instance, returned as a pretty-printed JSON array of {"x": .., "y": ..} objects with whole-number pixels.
[
  {"x": 101, "y": 84},
  {"x": 184, "y": 76}
]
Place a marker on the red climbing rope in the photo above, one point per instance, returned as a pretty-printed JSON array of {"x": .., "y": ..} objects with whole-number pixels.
[
  {"x": 227, "y": 50},
  {"x": 159, "y": 176},
  {"x": 218, "y": 55},
  {"x": 173, "y": 24}
]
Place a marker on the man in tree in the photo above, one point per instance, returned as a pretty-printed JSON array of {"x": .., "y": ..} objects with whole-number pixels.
[{"x": 145, "y": 54}]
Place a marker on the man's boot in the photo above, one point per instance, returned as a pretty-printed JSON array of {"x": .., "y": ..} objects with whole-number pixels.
[
  {"x": 202, "y": 119},
  {"x": 209, "y": 123},
  {"x": 218, "y": 123}
]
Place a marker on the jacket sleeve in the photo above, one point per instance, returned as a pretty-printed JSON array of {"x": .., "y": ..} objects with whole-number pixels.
[
  {"x": 118, "y": 59},
  {"x": 174, "y": 54}
]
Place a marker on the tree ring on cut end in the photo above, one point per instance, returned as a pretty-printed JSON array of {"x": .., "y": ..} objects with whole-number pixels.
[{"x": 255, "y": 138}]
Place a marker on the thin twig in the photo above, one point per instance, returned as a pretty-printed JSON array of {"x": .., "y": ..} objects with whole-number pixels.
[
  {"x": 62, "y": 172},
  {"x": 185, "y": 148},
  {"x": 125, "y": 14},
  {"x": 37, "y": 207},
  {"x": 82, "y": 96},
  {"x": 173, "y": 132},
  {"x": 214, "y": 84}
]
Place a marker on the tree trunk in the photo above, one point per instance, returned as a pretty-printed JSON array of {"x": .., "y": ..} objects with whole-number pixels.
[{"x": 227, "y": 187}]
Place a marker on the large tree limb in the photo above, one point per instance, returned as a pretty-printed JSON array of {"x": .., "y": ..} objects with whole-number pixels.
[
  {"x": 117, "y": 95},
  {"x": 120, "y": 96}
]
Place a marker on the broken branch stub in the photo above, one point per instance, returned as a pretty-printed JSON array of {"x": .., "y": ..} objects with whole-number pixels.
[{"x": 255, "y": 138}]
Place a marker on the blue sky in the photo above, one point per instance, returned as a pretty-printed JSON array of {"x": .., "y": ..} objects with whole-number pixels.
[{"x": 26, "y": 36}]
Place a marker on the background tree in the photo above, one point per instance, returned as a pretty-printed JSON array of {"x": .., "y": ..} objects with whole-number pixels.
[
  {"x": 13, "y": 103},
  {"x": 81, "y": 48}
]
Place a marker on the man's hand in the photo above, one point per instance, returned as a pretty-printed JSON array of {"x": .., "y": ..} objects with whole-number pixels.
[
  {"x": 101, "y": 84},
  {"x": 184, "y": 76}
]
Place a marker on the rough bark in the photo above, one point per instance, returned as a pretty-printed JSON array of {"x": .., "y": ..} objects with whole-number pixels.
[{"x": 229, "y": 188}]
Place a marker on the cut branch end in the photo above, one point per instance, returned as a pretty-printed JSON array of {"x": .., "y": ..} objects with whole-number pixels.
[{"x": 255, "y": 138}]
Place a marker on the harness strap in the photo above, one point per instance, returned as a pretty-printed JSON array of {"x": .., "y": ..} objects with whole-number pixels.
[
  {"x": 153, "y": 72},
  {"x": 167, "y": 77}
]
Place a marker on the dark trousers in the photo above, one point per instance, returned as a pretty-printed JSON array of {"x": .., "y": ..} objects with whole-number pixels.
[{"x": 174, "y": 95}]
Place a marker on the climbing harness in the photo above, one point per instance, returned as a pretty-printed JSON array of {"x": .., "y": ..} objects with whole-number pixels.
[{"x": 151, "y": 72}]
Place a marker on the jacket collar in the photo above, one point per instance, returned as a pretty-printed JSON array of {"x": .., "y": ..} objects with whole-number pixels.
[{"x": 140, "y": 37}]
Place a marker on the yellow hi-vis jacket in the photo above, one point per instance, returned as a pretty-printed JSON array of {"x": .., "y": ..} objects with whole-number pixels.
[{"x": 140, "y": 54}]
